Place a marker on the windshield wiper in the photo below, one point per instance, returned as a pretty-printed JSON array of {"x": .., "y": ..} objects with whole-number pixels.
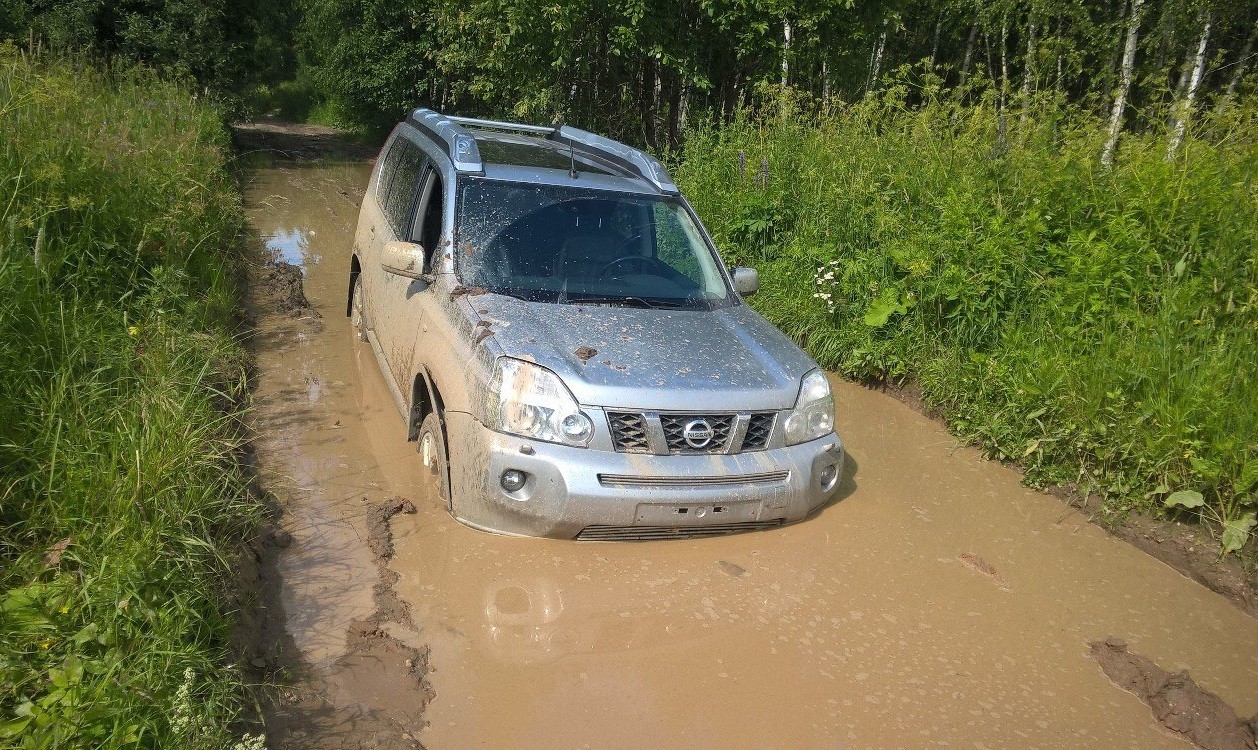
[{"x": 638, "y": 301}]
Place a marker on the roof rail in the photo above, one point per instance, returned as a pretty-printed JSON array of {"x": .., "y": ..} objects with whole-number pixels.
[
  {"x": 617, "y": 154},
  {"x": 500, "y": 125},
  {"x": 447, "y": 131}
]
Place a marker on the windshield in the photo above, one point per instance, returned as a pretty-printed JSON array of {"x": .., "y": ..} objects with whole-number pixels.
[{"x": 562, "y": 244}]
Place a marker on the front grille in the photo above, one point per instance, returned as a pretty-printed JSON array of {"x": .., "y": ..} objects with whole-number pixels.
[
  {"x": 758, "y": 429},
  {"x": 663, "y": 434},
  {"x": 628, "y": 432},
  {"x": 633, "y": 480},
  {"x": 675, "y": 426},
  {"x": 648, "y": 533}
]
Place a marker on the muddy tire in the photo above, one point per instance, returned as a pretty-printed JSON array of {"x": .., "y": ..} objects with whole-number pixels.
[
  {"x": 358, "y": 314},
  {"x": 432, "y": 455}
]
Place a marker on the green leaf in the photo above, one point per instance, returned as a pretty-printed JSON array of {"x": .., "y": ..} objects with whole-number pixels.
[
  {"x": 1236, "y": 532},
  {"x": 881, "y": 309},
  {"x": 1249, "y": 477},
  {"x": 1185, "y": 499},
  {"x": 88, "y": 633},
  {"x": 13, "y": 727}
]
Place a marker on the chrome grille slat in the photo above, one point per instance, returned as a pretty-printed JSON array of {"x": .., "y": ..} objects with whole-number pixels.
[
  {"x": 663, "y": 433},
  {"x": 633, "y": 480},
  {"x": 628, "y": 431},
  {"x": 648, "y": 533},
  {"x": 759, "y": 428}
]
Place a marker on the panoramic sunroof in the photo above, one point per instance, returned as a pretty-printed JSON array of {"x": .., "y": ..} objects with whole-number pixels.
[{"x": 535, "y": 154}]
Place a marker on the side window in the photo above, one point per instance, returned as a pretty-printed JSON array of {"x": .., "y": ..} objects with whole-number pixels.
[
  {"x": 399, "y": 202},
  {"x": 388, "y": 166},
  {"x": 431, "y": 213}
]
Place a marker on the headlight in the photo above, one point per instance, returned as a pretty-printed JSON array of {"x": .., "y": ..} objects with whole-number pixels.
[
  {"x": 813, "y": 416},
  {"x": 531, "y": 401}
]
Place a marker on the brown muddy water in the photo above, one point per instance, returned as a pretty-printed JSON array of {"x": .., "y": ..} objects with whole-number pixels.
[{"x": 937, "y": 603}]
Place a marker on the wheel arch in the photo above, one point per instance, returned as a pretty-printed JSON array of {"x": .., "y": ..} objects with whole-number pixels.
[
  {"x": 355, "y": 268},
  {"x": 425, "y": 400}
]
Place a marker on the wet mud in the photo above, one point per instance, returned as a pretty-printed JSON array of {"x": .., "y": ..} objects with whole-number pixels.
[
  {"x": 938, "y": 602},
  {"x": 1177, "y": 702}
]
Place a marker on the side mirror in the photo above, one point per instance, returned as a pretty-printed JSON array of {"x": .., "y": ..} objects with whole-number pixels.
[
  {"x": 746, "y": 281},
  {"x": 403, "y": 259}
]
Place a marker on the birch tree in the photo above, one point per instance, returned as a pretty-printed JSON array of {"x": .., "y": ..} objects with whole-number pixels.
[
  {"x": 1242, "y": 63},
  {"x": 1124, "y": 83},
  {"x": 786, "y": 51},
  {"x": 1184, "y": 107},
  {"x": 875, "y": 59}
]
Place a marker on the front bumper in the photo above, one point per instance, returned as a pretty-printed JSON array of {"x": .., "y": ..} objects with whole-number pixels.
[{"x": 587, "y": 493}]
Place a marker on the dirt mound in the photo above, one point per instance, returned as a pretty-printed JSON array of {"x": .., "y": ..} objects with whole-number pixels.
[
  {"x": 1177, "y": 702},
  {"x": 279, "y": 288},
  {"x": 389, "y": 606}
]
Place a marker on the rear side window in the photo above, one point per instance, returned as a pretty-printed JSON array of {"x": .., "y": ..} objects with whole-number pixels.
[{"x": 403, "y": 166}]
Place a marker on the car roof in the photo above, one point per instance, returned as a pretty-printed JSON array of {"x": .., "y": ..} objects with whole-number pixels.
[
  {"x": 511, "y": 158},
  {"x": 518, "y": 152}
]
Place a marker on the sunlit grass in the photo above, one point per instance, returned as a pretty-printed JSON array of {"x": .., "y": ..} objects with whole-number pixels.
[{"x": 121, "y": 495}]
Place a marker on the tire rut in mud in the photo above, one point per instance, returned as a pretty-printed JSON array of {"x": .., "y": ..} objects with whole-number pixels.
[{"x": 1178, "y": 703}]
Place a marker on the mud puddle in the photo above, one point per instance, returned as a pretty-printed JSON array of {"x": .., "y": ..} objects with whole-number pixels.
[{"x": 939, "y": 603}]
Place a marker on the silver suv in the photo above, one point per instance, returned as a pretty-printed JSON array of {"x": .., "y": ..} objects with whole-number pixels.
[{"x": 567, "y": 347}]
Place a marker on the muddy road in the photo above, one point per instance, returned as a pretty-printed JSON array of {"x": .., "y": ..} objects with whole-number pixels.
[{"x": 937, "y": 603}]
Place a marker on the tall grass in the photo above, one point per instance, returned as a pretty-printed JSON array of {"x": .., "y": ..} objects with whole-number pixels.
[
  {"x": 121, "y": 496},
  {"x": 1098, "y": 328}
]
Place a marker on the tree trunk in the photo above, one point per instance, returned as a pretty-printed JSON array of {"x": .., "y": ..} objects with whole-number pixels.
[
  {"x": 674, "y": 110},
  {"x": 1059, "y": 45},
  {"x": 825, "y": 84},
  {"x": 647, "y": 97},
  {"x": 1184, "y": 107},
  {"x": 1242, "y": 63},
  {"x": 934, "y": 47},
  {"x": 1124, "y": 84},
  {"x": 969, "y": 54},
  {"x": 876, "y": 62},
  {"x": 1118, "y": 47},
  {"x": 786, "y": 51},
  {"x": 968, "y": 60},
  {"x": 1028, "y": 72},
  {"x": 1002, "y": 102}
]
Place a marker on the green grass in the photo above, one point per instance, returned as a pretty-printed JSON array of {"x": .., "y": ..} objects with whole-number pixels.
[
  {"x": 121, "y": 493},
  {"x": 1097, "y": 328}
]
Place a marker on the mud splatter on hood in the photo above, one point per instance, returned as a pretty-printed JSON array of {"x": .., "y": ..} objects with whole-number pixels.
[{"x": 692, "y": 360}]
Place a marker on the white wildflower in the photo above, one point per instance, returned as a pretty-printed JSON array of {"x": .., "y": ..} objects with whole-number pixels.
[
  {"x": 181, "y": 708},
  {"x": 251, "y": 742}
]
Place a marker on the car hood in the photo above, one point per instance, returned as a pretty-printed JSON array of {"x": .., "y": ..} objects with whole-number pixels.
[{"x": 729, "y": 359}]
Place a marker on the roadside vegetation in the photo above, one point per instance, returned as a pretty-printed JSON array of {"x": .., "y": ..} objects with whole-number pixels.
[
  {"x": 1096, "y": 326},
  {"x": 121, "y": 493}
]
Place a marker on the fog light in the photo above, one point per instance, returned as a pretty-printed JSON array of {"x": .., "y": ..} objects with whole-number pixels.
[
  {"x": 512, "y": 480},
  {"x": 826, "y": 476}
]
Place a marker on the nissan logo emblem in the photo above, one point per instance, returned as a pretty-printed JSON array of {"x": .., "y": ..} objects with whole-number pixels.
[{"x": 698, "y": 433}]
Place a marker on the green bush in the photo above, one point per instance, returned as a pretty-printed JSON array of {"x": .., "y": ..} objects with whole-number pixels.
[
  {"x": 1097, "y": 328},
  {"x": 121, "y": 495}
]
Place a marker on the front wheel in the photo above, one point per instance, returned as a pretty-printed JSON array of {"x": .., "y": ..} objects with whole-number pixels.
[
  {"x": 358, "y": 318},
  {"x": 432, "y": 452}
]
